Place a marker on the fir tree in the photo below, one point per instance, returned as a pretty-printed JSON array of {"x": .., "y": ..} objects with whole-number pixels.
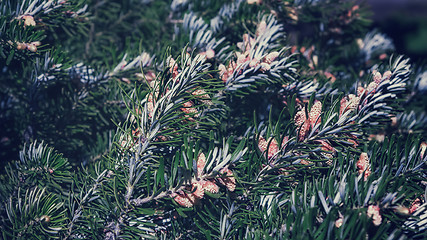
[{"x": 184, "y": 119}]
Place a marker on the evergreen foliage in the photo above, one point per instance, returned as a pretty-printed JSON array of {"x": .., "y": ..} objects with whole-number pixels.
[{"x": 189, "y": 119}]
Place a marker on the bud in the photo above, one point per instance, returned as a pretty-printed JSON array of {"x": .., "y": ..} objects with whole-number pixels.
[
  {"x": 210, "y": 187},
  {"x": 136, "y": 133},
  {"x": 386, "y": 75},
  {"x": 223, "y": 72},
  {"x": 171, "y": 63},
  {"x": 173, "y": 67},
  {"x": 32, "y": 47},
  {"x": 189, "y": 109},
  {"x": 374, "y": 213},
  {"x": 304, "y": 130},
  {"x": 150, "y": 76},
  {"x": 240, "y": 45},
  {"x": 423, "y": 148},
  {"x": 203, "y": 96},
  {"x": 292, "y": 13},
  {"x": 343, "y": 105},
  {"x": 353, "y": 142},
  {"x": 228, "y": 180},
  {"x": 36, "y": 43},
  {"x": 184, "y": 199},
  {"x": 29, "y": 21},
  {"x": 201, "y": 162},
  {"x": 314, "y": 115},
  {"x": 330, "y": 76},
  {"x": 415, "y": 205},
  {"x": 210, "y": 54},
  {"x": 294, "y": 49},
  {"x": 272, "y": 149},
  {"x": 305, "y": 162},
  {"x": 265, "y": 66},
  {"x": 315, "y": 60},
  {"x": 302, "y": 122},
  {"x": 300, "y": 117},
  {"x": 402, "y": 210},
  {"x": 253, "y": 63},
  {"x": 363, "y": 165},
  {"x": 377, "y": 77},
  {"x": 339, "y": 222},
  {"x": 382, "y": 56},
  {"x": 372, "y": 87},
  {"x": 271, "y": 57},
  {"x": 198, "y": 190},
  {"x": 261, "y": 28},
  {"x": 241, "y": 58},
  {"x": 126, "y": 80},
  {"x": 150, "y": 105},
  {"x": 393, "y": 121},
  {"x": 353, "y": 102},
  {"x": 21, "y": 46},
  {"x": 360, "y": 91},
  {"x": 326, "y": 146},
  {"x": 363, "y": 161},
  {"x": 187, "y": 59},
  {"x": 355, "y": 8},
  {"x": 360, "y": 43},
  {"x": 45, "y": 218},
  {"x": 254, "y": 1},
  {"x": 246, "y": 38}
]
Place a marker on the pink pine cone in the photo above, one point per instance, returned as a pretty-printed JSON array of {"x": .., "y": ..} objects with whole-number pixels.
[
  {"x": 210, "y": 187},
  {"x": 201, "y": 162},
  {"x": 184, "y": 199},
  {"x": 228, "y": 180},
  {"x": 272, "y": 149},
  {"x": 374, "y": 213},
  {"x": 363, "y": 165},
  {"x": 198, "y": 189}
]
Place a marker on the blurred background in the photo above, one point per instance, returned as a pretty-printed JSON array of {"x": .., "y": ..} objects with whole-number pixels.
[{"x": 405, "y": 21}]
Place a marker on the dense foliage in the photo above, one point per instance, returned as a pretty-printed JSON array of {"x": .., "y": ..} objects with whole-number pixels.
[{"x": 213, "y": 119}]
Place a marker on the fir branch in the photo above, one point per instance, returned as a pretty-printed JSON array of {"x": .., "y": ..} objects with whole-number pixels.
[
  {"x": 188, "y": 159},
  {"x": 35, "y": 213},
  {"x": 375, "y": 43},
  {"x": 319, "y": 137},
  {"x": 202, "y": 38},
  {"x": 177, "y": 5},
  {"x": 37, "y": 7},
  {"x": 256, "y": 63},
  {"x": 141, "y": 61},
  {"x": 159, "y": 110},
  {"x": 411, "y": 122},
  {"x": 85, "y": 196},
  {"x": 226, "y": 12}
]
